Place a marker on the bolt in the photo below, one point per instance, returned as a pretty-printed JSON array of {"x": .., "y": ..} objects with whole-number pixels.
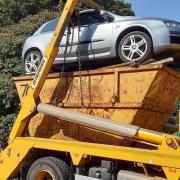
[
  {"x": 169, "y": 141},
  {"x": 8, "y": 152},
  {"x": 33, "y": 108},
  {"x": 85, "y": 156}
]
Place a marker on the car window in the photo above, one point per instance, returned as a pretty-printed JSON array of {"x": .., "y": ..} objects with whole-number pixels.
[
  {"x": 109, "y": 18},
  {"x": 50, "y": 26},
  {"x": 91, "y": 18}
]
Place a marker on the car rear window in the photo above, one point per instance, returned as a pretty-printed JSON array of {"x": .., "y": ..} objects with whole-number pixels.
[{"x": 50, "y": 26}]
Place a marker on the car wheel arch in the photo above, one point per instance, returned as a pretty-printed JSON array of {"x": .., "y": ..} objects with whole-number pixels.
[{"x": 129, "y": 30}]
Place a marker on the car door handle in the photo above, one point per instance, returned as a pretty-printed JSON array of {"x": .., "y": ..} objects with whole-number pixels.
[
  {"x": 84, "y": 26},
  {"x": 65, "y": 34}
]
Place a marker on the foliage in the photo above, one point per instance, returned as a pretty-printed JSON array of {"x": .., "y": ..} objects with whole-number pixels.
[
  {"x": 117, "y": 7},
  {"x": 114, "y": 6},
  {"x": 12, "y": 40},
  {"x": 8, "y": 96},
  {"x": 11, "y": 11},
  {"x": 6, "y": 123},
  {"x": 174, "y": 118}
]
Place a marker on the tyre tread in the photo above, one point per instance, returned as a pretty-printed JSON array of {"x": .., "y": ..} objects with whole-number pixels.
[
  {"x": 62, "y": 166},
  {"x": 54, "y": 163}
]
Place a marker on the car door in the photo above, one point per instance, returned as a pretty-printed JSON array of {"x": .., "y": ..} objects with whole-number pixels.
[
  {"x": 101, "y": 42},
  {"x": 46, "y": 35},
  {"x": 100, "y": 35},
  {"x": 95, "y": 38},
  {"x": 82, "y": 37},
  {"x": 71, "y": 54},
  {"x": 85, "y": 41}
]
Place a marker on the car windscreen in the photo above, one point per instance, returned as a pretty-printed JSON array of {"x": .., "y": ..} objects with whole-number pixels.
[{"x": 50, "y": 26}]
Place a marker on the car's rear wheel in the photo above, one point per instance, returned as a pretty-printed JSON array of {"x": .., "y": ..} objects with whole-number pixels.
[
  {"x": 32, "y": 61},
  {"x": 135, "y": 47}
]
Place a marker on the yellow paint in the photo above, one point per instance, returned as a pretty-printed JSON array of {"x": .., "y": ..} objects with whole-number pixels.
[
  {"x": 167, "y": 154},
  {"x": 179, "y": 121},
  {"x": 44, "y": 175},
  {"x": 148, "y": 136},
  {"x": 164, "y": 156},
  {"x": 129, "y": 95},
  {"x": 34, "y": 90}
]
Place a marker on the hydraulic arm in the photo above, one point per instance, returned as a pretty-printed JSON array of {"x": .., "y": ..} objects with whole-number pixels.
[{"x": 29, "y": 105}]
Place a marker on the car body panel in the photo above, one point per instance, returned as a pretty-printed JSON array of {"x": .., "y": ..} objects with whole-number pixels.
[{"x": 99, "y": 40}]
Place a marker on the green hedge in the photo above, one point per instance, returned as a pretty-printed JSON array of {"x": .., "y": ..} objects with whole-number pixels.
[
  {"x": 6, "y": 123},
  {"x": 12, "y": 39}
]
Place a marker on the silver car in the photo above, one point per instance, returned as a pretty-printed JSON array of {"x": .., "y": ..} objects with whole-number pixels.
[{"x": 104, "y": 35}]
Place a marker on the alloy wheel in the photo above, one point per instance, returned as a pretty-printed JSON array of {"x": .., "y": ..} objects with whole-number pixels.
[
  {"x": 134, "y": 47},
  {"x": 32, "y": 62}
]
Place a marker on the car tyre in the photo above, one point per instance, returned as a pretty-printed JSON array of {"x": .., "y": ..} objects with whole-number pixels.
[
  {"x": 32, "y": 61},
  {"x": 135, "y": 47},
  {"x": 48, "y": 168}
]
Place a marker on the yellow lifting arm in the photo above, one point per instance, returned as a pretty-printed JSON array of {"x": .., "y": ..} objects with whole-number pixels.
[
  {"x": 29, "y": 104},
  {"x": 164, "y": 156},
  {"x": 28, "y": 108}
]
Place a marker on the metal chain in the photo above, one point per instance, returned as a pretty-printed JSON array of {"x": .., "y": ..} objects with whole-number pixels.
[
  {"x": 63, "y": 67},
  {"x": 79, "y": 59}
]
